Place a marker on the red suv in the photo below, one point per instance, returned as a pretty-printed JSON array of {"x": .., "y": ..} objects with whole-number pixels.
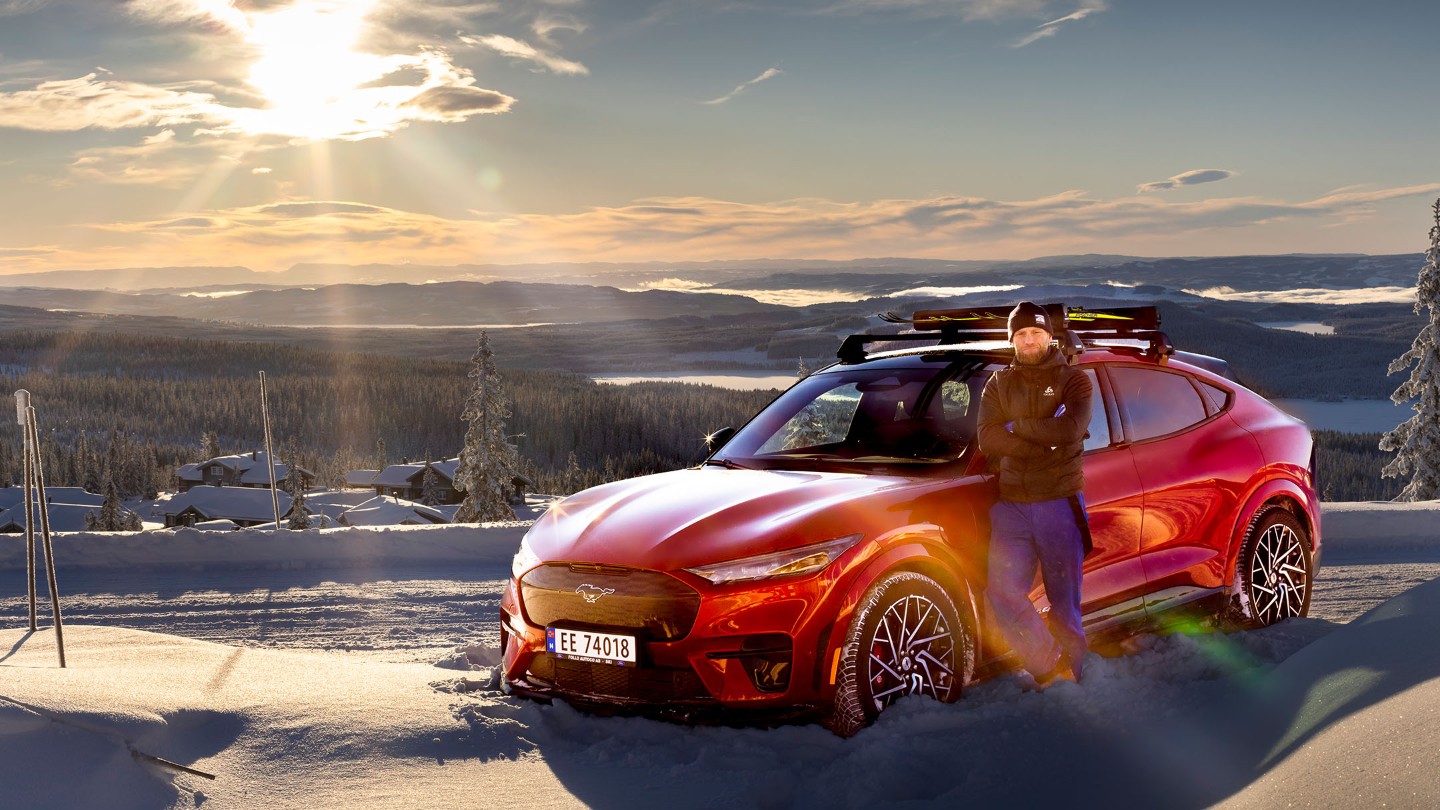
[{"x": 830, "y": 557}]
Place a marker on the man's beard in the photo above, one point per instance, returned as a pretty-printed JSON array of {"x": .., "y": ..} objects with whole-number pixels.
[{"x": 1031, "y": 357}]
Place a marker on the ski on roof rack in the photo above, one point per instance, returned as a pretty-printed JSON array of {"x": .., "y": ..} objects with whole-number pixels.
[{"x": 1075, "y": 327}]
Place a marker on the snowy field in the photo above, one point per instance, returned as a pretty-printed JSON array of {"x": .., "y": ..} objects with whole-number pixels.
[{"x": 345, "y": 668}]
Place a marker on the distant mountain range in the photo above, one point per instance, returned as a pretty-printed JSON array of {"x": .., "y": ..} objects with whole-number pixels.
[{"x": 860, "y": 276}]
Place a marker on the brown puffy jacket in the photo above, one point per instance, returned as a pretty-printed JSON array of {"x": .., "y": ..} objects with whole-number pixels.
[{"x": 1039, "y": 456}]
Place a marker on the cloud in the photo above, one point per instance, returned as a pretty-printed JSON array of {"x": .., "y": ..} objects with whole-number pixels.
[
  {"x": 965, "y": 9},
  {"x": 770, "y": 73},
  {"x": 89, "y": 102},
  {"x": 676, "y": 229},
  {"x": 1052, "y": 28},
  {"x": 1191, "y": 178},
  {"x": 524, "y": 51}
]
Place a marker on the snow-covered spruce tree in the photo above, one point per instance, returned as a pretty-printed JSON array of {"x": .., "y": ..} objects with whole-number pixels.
[
  {"x": 209, "y": 445},
  {"x": 487, "y": 462},
  {"x": 1416, "y": 441},
  {"x": 806, "y": 428},
  {"x": 430, "y": 486},
  {"x": 112, "y": 517},
  {"x": 300, "y": 516}
]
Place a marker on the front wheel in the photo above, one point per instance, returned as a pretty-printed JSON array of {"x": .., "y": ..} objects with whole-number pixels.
[
  {"x": 907, "y": 638},
  {"x": 1273, "y": 574}
]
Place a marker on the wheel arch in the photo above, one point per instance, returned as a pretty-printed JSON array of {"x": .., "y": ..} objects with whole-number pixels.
[
  {"x": 1288, "y": 495},
  {"x": 920, "y": 550}
]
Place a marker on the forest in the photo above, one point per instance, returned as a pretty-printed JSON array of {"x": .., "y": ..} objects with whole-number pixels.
[{"x": 134, "y": 408}]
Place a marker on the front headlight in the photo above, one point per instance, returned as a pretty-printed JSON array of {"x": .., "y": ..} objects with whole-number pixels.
[
  {"x": 525, "y": 559},
  {"x": 788, "y": 563}
]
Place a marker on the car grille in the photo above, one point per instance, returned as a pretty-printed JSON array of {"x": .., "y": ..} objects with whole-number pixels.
[
  {"x": 652, "y": 605},
  {"x": 642, "y": 684}
]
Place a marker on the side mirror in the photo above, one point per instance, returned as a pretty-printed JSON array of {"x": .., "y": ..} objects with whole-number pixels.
[{"x": 717, "y": 440}]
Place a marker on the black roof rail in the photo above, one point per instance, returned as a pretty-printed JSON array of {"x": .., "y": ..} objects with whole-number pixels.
[{"x": 1075, "y": 328}]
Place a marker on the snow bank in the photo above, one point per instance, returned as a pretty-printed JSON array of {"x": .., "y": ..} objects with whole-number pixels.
[
  {"x": 267, "y": 548},
  {"x": 1380, "y": 525}
]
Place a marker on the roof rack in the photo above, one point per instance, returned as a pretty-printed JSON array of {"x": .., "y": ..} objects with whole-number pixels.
[{"x": 1075, "y": 328}]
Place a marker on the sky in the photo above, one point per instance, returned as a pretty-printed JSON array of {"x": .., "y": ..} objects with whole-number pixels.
[{"x": 265, "y": 133}]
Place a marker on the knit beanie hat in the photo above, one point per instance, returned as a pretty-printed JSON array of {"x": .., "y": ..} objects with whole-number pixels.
[{"x": 1026, "y": 314}]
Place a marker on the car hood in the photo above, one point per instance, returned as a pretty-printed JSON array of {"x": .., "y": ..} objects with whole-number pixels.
[{"x": 698, "y": 516}]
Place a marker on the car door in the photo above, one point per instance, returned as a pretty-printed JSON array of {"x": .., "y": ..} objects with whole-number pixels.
[
  {"x": 1114, "y": 581},
  {"x": 1193, "y": 461}
]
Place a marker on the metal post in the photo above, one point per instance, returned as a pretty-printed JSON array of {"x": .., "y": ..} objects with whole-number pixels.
[
  {"x": 22, "y": 404},
  {"x": 269, "y": 451},
  {"x": 39, "y": 469}
]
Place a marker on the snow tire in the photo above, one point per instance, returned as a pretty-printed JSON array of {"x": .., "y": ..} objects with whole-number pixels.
[
  {"x": 906, "y": 638},
  {"x": 1274, "y": 572}
]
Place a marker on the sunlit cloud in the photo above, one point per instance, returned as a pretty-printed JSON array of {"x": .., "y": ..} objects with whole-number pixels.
[
  {"x": 966, "y": 9},
  {"x": 1366, "y": 295},
  {"x": 525, "y": 52},
  {"x": 92, "y": 102},
  {"x": 275, "y": 236},
  {"x": 308, "y": 77},
  {"x": 741, "y": 88},
  {"x": 1052, "y": 28},
  {"x": 1190, "y": 178}
]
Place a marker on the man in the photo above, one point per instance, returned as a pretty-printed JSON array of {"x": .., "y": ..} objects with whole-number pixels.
[{"x": 1033, "y": 419}]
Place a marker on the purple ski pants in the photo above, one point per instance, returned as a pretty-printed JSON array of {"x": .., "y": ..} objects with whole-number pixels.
[{"x": 1023, "y": 537}]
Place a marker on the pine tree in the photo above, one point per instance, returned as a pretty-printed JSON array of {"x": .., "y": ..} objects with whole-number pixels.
[
  {"x": 112, "y": 517},
  {"x": 1416, "y": 442},
  {"x": 209, "y": 445},
  {"x": 487, "y": 462},
  {"x": 300, "y": 516},
  {"x": 802, "y": 370},
  {"x": 806, "y": 428},
  {"x": 430, "y": 486}
]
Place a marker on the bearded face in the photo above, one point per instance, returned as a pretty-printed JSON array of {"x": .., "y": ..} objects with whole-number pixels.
[{"x": 1031, "y": 345}]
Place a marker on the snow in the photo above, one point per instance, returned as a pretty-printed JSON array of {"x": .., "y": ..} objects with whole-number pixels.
[{"x": 1312, "y": 712}]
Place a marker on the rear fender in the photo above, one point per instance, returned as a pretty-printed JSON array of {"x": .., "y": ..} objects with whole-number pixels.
[{"x": 1286, "y": 492}]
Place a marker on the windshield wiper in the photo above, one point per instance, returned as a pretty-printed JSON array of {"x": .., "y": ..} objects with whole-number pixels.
[{"x": 726, "y": 463}]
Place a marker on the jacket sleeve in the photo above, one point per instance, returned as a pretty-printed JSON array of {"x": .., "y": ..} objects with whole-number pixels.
[
  {"x": 1069, "y": 428},
  {"x": 995, "y": 440}
]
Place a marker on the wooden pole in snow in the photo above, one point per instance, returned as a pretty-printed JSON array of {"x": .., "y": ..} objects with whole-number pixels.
[
  {"x": 38, "y": 468},
  {"x": 269, "y": 450},
  {"x": 22, "y": 405}
]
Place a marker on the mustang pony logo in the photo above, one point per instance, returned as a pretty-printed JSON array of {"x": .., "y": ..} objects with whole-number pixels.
[{"x": 591, "y": 593}]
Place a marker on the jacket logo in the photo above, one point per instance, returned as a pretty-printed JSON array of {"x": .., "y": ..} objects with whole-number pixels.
[
  {"x": 591, "y": 593},
  {"x": 1049, "y": 390}
]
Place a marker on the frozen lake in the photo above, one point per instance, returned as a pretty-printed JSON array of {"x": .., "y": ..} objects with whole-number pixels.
[{"x": 1351, "y": 416}]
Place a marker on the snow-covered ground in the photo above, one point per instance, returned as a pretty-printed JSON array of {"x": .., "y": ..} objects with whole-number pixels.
[{"x": 354, "y": 667}]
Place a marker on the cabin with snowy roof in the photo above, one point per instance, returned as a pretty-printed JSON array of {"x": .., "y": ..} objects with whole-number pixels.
[
  {"x": 246, "y": 506},
  {"x": 241, "y": 470},
  {"x": 407, "y": 481}
]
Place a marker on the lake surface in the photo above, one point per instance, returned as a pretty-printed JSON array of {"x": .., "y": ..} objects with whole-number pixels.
[{"x": 1351, "y": 416}]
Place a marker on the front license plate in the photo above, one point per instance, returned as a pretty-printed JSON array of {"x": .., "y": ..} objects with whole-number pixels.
[{"x": 599, "y": 648}]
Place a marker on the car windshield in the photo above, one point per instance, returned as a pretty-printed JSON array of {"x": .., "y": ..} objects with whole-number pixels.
[{"x": 865, "y": 416}]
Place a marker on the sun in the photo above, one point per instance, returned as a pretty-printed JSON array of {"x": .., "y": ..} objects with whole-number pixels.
[{"x": 316, "y": 84}]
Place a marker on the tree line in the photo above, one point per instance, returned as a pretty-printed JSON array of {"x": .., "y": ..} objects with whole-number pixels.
[{"x": 136, "y": 408}]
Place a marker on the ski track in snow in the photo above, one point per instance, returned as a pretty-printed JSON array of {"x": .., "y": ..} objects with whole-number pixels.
[{"x": 401, "y": 615}]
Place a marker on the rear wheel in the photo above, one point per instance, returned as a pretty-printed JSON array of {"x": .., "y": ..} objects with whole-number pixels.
[
  {"x": 1273, "y": 574},
  {"x": 906, "y": 638}
]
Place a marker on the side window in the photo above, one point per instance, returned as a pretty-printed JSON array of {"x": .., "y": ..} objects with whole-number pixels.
[
  {"x": 1218, "y": 396},
  {"x": 1156, "y": 402},
  {"x": 1099, "y": 434}
]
